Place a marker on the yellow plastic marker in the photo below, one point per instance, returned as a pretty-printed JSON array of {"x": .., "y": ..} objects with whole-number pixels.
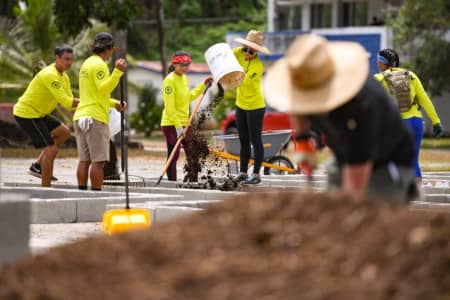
[{"x": 121, "y": 220}]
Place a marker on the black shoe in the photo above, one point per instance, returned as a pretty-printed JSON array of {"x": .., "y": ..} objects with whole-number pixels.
[
  {"x": 35, "y": 170},
  {"x": 240, "y": 177}
]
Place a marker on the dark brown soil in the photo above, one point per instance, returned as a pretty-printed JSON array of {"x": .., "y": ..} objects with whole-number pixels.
[{"x": 258, "y": 246}]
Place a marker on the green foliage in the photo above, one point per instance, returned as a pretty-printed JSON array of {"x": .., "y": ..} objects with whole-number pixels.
[
  {"x": 419, "y": 32},
  {"x": 148, "y": 116},
  {"x": 75, "y": 15}
]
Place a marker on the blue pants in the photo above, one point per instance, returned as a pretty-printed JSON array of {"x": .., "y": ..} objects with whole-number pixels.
[{"x": 416, "y": 126}]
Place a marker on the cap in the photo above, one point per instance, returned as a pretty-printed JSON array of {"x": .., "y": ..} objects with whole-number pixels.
[{"x": 103, "y": 40}]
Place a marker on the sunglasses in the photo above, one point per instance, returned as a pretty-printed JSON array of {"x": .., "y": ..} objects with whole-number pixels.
[
  {"x": 184, "y": 65},
  {"x": 249, "y": 51}
]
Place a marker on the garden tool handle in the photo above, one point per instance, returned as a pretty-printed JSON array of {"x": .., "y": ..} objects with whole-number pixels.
[{"x": 181, "y": 137}]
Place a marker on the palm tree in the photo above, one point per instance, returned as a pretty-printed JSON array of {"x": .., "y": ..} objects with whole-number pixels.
[{"x": 27, "y": 43}]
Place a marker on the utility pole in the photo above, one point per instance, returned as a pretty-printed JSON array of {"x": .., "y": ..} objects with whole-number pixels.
[{"x": 162, "y": 40}]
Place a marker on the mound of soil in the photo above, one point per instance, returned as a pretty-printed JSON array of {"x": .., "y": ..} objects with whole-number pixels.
[{"x": 258, "y": 246}]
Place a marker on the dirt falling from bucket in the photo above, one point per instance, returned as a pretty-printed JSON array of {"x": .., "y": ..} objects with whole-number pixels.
[{"x": 199, "y": 150}]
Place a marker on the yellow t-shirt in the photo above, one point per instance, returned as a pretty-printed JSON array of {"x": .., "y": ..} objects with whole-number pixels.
[
  {"x": 48, "y": 88},
  {"x": 249, "y": 94},
  {"x": 417, "y": 94},
  {"x": 177, "y": 98},
  {"x": 96, "y": 85}
]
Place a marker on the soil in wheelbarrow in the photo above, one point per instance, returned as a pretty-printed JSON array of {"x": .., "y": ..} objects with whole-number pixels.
[{"x": 259, "y": 246}]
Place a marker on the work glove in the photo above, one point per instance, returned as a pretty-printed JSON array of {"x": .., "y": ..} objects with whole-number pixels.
[
  {"x": 438, "y": 131},
  {"x": 179, "y": 132},
  {"x": 85, "y": 123},
  {"x": 305, "y": 156}
]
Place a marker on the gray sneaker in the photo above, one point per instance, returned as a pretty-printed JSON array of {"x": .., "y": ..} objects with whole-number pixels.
[{"x": 253, "y": 179}]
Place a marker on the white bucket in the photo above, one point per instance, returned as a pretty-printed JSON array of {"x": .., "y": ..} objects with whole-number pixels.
[{"x": 224, "y": 66}]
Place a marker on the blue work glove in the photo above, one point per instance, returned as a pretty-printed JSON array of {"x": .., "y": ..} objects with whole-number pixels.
[
  {"x": 179, "y": 131},
  {"x": 438, "y": 131}
]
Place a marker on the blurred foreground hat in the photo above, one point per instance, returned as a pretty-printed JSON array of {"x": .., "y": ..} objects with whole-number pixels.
[
  {"x": 103, "y": 40},
  {"x": 316, "y": 75},
  {"x": 254, "y": 40}
]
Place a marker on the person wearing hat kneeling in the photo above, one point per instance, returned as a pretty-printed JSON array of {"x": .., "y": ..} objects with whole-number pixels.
[
  {"x": 250, "y": 105},
  {"x": 91, "y": 119},
  {"x": 327, "y": 85}
]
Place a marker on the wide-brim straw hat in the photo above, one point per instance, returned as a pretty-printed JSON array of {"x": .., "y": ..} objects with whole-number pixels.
[
  {"x": 316, "y": 75},
  {"x": 254, "y": 40}
]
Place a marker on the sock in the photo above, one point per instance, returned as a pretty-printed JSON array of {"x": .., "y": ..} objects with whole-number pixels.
[
  {"x": 82, "y": 187},
  {"x": 94, "y": 189}
]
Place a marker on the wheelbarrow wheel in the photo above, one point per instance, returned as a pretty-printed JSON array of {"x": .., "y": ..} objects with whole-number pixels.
[{"x": 278, "y": 160}]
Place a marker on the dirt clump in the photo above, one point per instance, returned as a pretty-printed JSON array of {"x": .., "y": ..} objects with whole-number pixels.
[{"x": 257, "y": 246}]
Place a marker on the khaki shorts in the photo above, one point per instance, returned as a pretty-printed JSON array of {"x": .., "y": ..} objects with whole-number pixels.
[{"x": 93, "y": 144}]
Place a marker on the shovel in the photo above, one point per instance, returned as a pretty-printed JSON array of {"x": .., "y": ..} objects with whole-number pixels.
[
  {"x": 120, "y": 220},
  {"x": 181, "y": 137}
]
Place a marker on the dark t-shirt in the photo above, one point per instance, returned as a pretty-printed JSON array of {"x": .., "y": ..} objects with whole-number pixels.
[{"x": 368, "y": 127}]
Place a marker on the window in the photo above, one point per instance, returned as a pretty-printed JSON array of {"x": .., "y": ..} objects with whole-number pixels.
[
  {"x": 321, "y": 15},
  {"x": 289, "y": 17},
  {"x": 353, "y": 14}
]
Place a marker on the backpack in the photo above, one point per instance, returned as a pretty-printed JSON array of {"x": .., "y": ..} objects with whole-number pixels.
[{"x": 399, "y": 88}]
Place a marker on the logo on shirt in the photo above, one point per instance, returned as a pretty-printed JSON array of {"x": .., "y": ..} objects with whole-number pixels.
[
  {"x": 100, "y": 75},
  {"x": 56, "y": 85},
  {"x": 168, "y": 90}
]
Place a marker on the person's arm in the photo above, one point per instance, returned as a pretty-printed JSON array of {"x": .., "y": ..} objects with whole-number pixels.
[
  {"x": 195, "y": 92},
  {"x": 355, "y": 179},
  {"x": 105, "y": 82},
  {"x": 423, "y": 100},
  {"x": 53, "y": 84}
]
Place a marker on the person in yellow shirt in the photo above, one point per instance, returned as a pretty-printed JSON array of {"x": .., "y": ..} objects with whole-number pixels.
[
  {"x": 250, "y": 105},
  {"x": 177, "y": 98},
  {"x": 92, "y": 115},
  {"x": 388, "y": 62},
  {"x": 49, "y": 87}
]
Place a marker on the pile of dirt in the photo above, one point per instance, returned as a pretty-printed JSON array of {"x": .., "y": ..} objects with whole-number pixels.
[{"x": 257, "y": 246}]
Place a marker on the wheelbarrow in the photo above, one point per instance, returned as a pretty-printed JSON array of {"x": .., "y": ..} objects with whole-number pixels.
[{"x": 274, "y": 141}]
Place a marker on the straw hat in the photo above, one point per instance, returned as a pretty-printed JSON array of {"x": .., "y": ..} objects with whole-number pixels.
[
  {"x": 254, "y": 40},
  {"x": 316, "y": 75}
]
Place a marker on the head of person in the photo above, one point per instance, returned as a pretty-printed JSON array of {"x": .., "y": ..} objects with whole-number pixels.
[
  {"x": 103, "y": 45},
  {"x": 387, "y": 58},
  {"x": 63, "y": 57},
  {"x": 316, "y": 76},
  {"x": 253, "y": 44},
  {"x": 180, "y": 63}
]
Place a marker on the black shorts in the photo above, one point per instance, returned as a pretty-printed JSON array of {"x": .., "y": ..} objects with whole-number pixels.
[{"x": 39, "y": 129}]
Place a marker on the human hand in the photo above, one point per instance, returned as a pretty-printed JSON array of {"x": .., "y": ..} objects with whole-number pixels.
[
  {"x": 180, "y": 132},
  {"x": 208, "y": 80},
  {"x": 121, "y": 64},
  {"x": 75, "y": 102},
  {"x": 121, "y": 107},
  {"x": 438, "y": 130}
]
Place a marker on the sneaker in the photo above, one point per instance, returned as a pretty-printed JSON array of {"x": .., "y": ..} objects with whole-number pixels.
[
  {"x": 240, "y": 177},
  {"x": 35, "y": 170},
  {"x": 253, "y": 179}
]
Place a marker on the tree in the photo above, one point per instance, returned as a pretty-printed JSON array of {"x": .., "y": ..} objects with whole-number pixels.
[{"x": 419, "y": 31}]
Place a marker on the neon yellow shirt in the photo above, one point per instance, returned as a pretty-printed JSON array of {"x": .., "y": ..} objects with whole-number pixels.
[
  {"x": 249, "y": 94},
  {"x": 177, "y": 97},
  {"x": 96, "y": 85},
  {"x": 48, "y": 88},
  {"x": 418, "y": 94}
]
